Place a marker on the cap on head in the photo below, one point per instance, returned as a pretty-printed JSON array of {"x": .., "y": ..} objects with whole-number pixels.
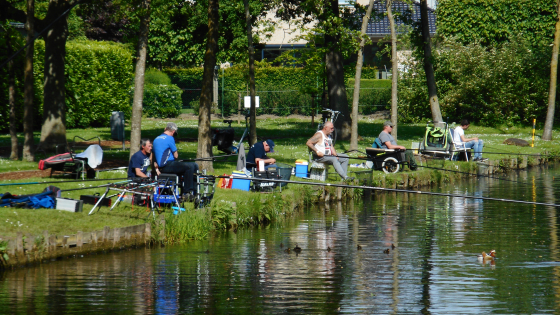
[
  {"x": 171, "y": 126},
  {"x": 270, "y": 144},
  {"x": 387, "y": 123}
]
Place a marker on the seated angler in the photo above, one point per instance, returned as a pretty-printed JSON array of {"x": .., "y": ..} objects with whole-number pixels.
[
  {"x": 258, "y": 153},
  {"x": 139, "y": 162},
  {"x": 389, "y": 142},
  {"x": 324, "y": 152},
  {"x": 470, "y": 143},
  {"x": 166, "y": 158}
]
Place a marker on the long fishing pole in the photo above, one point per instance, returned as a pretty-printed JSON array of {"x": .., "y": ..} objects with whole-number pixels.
[
  {"x": 457, "y": 172},
  {"x": 395, "y": 190},
  {"x": 61, "y": 182},
  {"x": 213, "y": 158}
]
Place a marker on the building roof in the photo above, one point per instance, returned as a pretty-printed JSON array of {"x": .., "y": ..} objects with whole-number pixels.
[{"x": 379, "y": 28}]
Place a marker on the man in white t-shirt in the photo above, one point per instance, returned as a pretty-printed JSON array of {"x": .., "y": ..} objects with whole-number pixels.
[
  {"x": 324, "y": 152},
  {"x": 469, "y": 143}
]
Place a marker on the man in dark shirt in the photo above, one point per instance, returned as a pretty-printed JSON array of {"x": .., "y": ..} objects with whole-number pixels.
[
  {"x": 258, "y": 153},
  {"x": 139, "y": 162}
]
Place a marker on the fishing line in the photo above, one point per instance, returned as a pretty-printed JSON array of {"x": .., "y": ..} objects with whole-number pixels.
[
  {"x": 396, "y": 190},
  {"x": 459, "y": 172},
  {"x": 62, "y": 181}
]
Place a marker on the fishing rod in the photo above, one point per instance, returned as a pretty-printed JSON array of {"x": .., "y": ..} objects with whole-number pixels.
[
  {"x": 213, "y": 158},
  {"x": 458, "y": 172},
  {"x": 61, "y": 181},
  {"x": 394, "y": 190}
]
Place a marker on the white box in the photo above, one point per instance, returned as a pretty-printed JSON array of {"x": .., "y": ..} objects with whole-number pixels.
[
  {"x": 70, "y": 205},
  {"x": 247, "y": 102}
]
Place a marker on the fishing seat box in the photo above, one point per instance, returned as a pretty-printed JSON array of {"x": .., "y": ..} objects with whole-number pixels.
[
  {"x": 269, "y": 174},
  {"x": 164, "y": 193}
]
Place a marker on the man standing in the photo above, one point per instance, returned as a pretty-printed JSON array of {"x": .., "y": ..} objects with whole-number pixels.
[
  {"x": 258, "y": 153},
  {"x": 139, "y": 162},
  {"x": 389, "y": 142},
  {"x": 324, "y": 152},
  {"x": 166, "y": 156},
  {"x": 469, "y": 143}
]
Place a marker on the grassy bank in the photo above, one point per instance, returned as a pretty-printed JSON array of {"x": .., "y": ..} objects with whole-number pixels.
[{"x": 230, "y": 208}]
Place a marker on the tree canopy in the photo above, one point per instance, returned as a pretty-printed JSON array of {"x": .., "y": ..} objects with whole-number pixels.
[{"x": 491, "y": 22}]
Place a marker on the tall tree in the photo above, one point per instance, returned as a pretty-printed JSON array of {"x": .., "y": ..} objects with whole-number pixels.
[
  {"x": 332, "y": 35},
  {"x": 204, "y": 116},
  {"x": 358, "y": 77},
  {"x": 136, "y": 119},
  {"x": 14, "y": 155},
  {"x": 547, "y": 133},
  {"x": 28, "y": 85},
  {"x": 428, "y": 66},
  {"x": 335, "y": 77},
  {"x": 253, "y": 109},
  {"x": 394, "y": 68},
  {"x": 53, "y": 129}
]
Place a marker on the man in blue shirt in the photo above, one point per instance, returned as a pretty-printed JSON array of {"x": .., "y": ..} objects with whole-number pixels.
[
  {"x": 258, "y": 153},
  {"x": 139, "y": 162},
  {"x": 166, "y": 157}
]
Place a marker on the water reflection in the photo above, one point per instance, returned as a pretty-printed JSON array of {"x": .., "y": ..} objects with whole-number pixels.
[{"x": 433, "y": 268}]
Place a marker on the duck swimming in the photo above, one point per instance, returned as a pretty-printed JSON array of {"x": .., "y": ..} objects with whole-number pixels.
[
  {"x": 485, "y": 258},
  {"x": 328, "y": 248},
  {"x": 359, "y": 247},
  {"x": 287, "y": 250},
  {"x": 297, "y": 249},
  {"x": 386, "y": 251}
]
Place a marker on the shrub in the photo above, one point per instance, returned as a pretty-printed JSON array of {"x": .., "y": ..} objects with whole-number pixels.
[
  {"x": 505, "y": 84},
  {"x": 98, "y": 77},
  {"x": 282, "y": 90},
  {"x": 154, "y": 76},
  {"x": 162, "y": 101}
]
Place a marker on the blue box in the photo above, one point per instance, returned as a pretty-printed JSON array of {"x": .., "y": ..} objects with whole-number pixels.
[
  {"x": 241, "y": 184},
  {"x": 301, "y": 170}
]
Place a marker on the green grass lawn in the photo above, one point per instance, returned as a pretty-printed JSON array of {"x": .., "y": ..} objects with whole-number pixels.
[{"x": 289, "y": 136}]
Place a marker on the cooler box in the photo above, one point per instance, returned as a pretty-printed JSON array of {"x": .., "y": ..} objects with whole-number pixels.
[
  {"x": 238, "y": 183},
  {"x": 301, "y": 170}
]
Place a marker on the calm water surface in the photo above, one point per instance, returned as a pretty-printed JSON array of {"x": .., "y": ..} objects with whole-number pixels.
[{"x": 433, "y": 269}]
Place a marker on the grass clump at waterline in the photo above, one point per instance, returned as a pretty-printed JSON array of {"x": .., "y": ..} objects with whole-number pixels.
[{"x": 233, "y": 209}]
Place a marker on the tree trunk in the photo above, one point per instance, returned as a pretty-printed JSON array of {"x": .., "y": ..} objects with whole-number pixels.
[
  {"x": 395, "y": 69},
  {"x": 547, "y": 133},
  {"x": 28, "y": 154},
  {"x": 53, "y": 131},
  {"x": 335, "y": 81},
  {"x": 253, "y": 112},
  {"x": 14, "y": 155},
  {"x": 357, "y": 79},
  {"x": 428, "y": 67},
  {"x": 136, "y": 118},
  {"x": 204, "y": 115}
]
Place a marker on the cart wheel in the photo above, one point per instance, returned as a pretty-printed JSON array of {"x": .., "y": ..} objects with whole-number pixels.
[{"x": 390, "y": 165}]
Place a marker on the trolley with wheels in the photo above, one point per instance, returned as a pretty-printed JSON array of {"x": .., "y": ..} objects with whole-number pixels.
[{"x": 387, "y": 160}]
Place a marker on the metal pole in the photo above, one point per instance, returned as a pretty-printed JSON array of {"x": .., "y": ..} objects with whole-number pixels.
[{"x": 223, "y": 75}]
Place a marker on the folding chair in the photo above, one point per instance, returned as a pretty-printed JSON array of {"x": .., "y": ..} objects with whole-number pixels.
[{"x": 457, "y": 149}]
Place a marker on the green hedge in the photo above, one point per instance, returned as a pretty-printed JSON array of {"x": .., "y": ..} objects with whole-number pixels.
[
  {"x": 374, "y": 95},
  {"x": 162, "y": 101},
  {"x": 98, "y": 80},
  {"x": 282, "y": 90}
]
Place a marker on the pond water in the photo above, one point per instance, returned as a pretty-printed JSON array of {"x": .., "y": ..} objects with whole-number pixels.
[{"x": 433, "y": 268}]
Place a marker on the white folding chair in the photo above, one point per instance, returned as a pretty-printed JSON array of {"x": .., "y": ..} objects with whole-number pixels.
[{"x": 457, "y": 149}]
